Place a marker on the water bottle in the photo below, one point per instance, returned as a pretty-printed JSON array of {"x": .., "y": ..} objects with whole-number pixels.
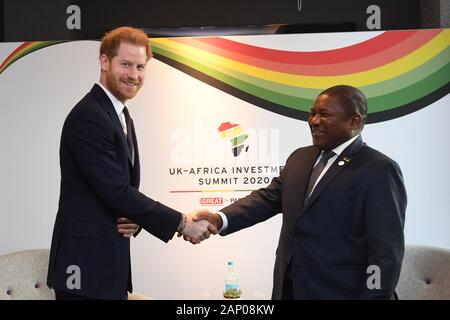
[{"x": 232, "y": 290}]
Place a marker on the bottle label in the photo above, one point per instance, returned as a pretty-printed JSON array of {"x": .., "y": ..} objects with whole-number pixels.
[
  {"x": 231, "y": 286},
  {"x": 232, "y": 291}
]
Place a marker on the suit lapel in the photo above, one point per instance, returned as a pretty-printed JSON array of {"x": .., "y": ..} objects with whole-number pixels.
[
  {"x": 107, "y": 105},
  {"x": 104, "y": 101},
  {"x": 303, "y": 173},
  {"x": 336, "y": 168}
]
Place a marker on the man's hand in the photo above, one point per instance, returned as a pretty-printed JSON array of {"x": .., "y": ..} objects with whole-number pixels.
[
  {"x": 126, "y": 227},
  {"x": 209, "y": 216},
  {"x": 197, "y": 231}
]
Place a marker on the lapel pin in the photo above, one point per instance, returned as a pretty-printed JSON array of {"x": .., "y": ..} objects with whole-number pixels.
[{"x": 344, "y": 161}]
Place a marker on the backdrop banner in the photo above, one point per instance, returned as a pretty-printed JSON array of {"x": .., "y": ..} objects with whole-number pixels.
[{"x": 216, "y": 119}]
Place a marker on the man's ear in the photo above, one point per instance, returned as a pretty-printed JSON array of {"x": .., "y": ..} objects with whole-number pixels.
[
  {"x": 356, "y": 121},
  {"x": 104, "y": 62}
]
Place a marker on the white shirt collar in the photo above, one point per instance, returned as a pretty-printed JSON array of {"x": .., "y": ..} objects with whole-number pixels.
[
  {"x": 118, "y": 106},
  {"x": 338, "y": 150}
]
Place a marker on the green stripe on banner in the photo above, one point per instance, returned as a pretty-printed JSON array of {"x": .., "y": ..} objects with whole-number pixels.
[
  {"x": 411, "y": 93},
  {"x": 405, "y": 80},
  {"x": 296, "y": 103},
  {"x": 300, "y": 92},
  {"x": 401, "y": 90},
  {"x": 293, "y": 91}
]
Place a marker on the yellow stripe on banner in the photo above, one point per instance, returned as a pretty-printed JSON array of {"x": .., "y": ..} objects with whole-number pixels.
[
  {"x": 231, "y": 132},
  {"x": 383, "y": 73}
]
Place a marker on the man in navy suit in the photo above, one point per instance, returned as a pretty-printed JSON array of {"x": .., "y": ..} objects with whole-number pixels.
[
  {"x": 100, "y": 174},
  {"x": 343, "y": 205}
]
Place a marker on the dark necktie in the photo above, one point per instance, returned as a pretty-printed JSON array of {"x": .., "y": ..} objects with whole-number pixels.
[
  {"x": 129, "y": 134},
  {"x": 317, "y": 170}
]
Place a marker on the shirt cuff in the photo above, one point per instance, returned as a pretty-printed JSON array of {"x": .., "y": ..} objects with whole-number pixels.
[{"x": 224, "y": 221}]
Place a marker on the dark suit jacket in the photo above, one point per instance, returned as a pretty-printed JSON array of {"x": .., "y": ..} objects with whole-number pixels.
[
  {"x": 353, "y": 219},
  {"x": 98, "y": 185}
]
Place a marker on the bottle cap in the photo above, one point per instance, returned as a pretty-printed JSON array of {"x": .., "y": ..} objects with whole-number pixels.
[{"x": 230, "y": 263}]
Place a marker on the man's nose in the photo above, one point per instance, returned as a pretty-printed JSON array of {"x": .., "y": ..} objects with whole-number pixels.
[
  {"x": 314, "y": 119},
  {"x": 133, "y": 73}
]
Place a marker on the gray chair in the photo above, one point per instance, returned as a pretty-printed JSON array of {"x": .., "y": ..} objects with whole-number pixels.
[
  {"x": 23, "y": 275},
  {"x": 425, "y": 273}
]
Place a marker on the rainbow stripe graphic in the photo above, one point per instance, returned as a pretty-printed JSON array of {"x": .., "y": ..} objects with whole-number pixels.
[
  {"x": 236, "y": 135},
  {"x": 399, "y": 71},
  {"x": 23, "y": 50}
]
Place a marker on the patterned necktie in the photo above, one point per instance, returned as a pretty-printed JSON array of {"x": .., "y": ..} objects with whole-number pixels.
[
  {"x": 317, "y": 170},
  {"x": 129, "y": 133}
]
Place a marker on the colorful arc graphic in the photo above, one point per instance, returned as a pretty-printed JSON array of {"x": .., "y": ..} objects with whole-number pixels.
[
  {"x": 399, "y": 71},
  {"x": 23, "y": 50}
]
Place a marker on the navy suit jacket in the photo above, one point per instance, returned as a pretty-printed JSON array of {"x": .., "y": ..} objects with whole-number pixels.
[
  {"x": 98, "y": 185},
  {"x": 354, "y": 219}
]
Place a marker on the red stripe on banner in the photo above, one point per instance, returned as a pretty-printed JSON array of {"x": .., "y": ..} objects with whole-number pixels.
[
  {"x": 357, "y": 51},
  {"x": 378, "y": 59},
  {"x": 20, "y": 48}
]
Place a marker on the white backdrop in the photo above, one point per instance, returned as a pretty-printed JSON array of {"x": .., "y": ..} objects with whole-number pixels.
[{"x": 39, "y": 90}]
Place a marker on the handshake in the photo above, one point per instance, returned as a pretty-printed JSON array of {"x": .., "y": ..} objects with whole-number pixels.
[
  {"x": 195, "y": 226},
  {"x": 198, "y": 225}
]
